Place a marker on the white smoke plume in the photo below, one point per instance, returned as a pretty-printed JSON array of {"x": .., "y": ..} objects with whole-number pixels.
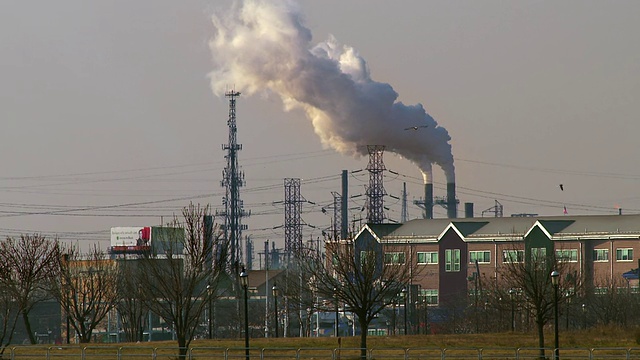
[{"x": 263, "y": 45}]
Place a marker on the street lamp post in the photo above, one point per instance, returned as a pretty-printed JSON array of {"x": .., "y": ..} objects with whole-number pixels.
[
  {"x": 404, "y": 298},
  {"x": 568, "y": 295},
  {"x": 274, "y": 289},
  {"x": 486, "y": 315},
  {"x": 244, "y": 278},
  {"x": 513, "y": 317},
  {"x": 554, "y": 280},
  {"x": 335, "y": 297},
  {"x": 426, "y": 316},
  {"x": 209, "y": 299},
  {"x": 584, "y": 316},
  {"x": 416, "y": 318},
  {"x": 393, "y": 316}
]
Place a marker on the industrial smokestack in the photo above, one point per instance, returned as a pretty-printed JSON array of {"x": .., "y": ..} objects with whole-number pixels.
[
  {"x": 345, "y": 205},
  {"x": 428, "y": 201},
  {"x": 452, "y": 211},
  {"x": 468, "y": 210},
  {"x": 264, "y": 47}
]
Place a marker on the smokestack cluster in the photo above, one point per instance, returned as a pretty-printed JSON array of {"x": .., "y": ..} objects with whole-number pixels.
[{"x": 263, "y": 46}]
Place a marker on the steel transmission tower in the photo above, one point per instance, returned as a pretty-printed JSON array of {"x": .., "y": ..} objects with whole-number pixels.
[
  {"x": 232, "y": 181},
  {"x": 375, "y": 191},
  {"x": 292, "y": 220}
]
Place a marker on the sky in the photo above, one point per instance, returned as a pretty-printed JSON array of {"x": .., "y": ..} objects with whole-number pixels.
[{"x": 109, "y": 117}]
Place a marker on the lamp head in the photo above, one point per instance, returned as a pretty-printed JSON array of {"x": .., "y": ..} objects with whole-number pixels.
[
  {"x": 244, "y": 278},
  {"x": 555, "y": 277}
]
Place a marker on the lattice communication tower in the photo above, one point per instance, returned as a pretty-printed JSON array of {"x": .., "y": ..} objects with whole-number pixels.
[{"x": 232, "y": 181}]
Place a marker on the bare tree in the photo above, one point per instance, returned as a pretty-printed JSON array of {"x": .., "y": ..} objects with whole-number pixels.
[
  {"x": 532, "y": 278},
  {"x": 87, "y": 288},
  {"x": 613, "y": 302},
  {"x": 131, "y": 306},
  {"x": 174, "y": 278},
  {"x": 29, "y": 267},
  {"x": 9, "y": 310},
  {"x": 357, "y": 277},
  {"x": 297, "y": 285}
]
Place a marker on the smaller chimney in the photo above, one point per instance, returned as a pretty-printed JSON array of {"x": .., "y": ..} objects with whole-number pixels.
[{"x": 468, "y": 210}]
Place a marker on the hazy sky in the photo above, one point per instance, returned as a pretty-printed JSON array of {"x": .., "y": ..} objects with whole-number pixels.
[{"x": 109, "y": 119}]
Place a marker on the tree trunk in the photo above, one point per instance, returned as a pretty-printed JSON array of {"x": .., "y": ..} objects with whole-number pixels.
[
  {"x": 27, "y": 326},
  {"x": 182, "y": 346},
  {"x": 4, "y": 343},
  {"x": 85, "y": 338},
  {"x": 364, "y": 329}
]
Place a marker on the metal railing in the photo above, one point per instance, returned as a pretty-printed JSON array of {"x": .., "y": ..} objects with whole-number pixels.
[{"x": 211, "y": 353}]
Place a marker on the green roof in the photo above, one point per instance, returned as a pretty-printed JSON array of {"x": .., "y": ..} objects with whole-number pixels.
[
  {"x": 555, "y": 226},
  {"x": 467, "y": 228},
  {"x": 383, "y": 229}
]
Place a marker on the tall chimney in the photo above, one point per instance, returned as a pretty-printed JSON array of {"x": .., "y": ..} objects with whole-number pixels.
[
  {"x": 452, "y": 211},
  {"x": 428, "y": 201},
  {"x": 345, "y": 205},
  {"x": 468, "y": 210}
]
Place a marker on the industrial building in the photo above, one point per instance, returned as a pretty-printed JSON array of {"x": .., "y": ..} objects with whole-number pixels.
[{"x": 448, "y": 253}]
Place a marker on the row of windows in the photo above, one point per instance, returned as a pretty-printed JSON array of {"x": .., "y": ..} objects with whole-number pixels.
[
  {"x": 452, "y": 256},
  {"x": 621, "y": 254},
  {"x": 430, "y": 296}
]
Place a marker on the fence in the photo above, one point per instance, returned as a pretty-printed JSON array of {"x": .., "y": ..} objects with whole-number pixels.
[{"x": 211, "y": 353}]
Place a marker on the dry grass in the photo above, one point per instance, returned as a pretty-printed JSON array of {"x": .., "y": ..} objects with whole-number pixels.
[
  {"x": 602, "y": 337},
  {"x": 596, "y": 337}
]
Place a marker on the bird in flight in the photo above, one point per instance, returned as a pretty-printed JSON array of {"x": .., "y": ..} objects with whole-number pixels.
[
  {"x": 416, "y": 127},
  {"x": 561, "y": 187}
]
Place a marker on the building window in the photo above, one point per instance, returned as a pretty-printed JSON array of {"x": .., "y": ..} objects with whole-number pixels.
[
  {"x": 600, "y": 290},
  {"x": 569, "y": 255},
  {"x": 394, "y": 258},
  {"x": 430, "y": 257},
  {"x": 538, "y": 254},
  {"x": 452, "y": 260},
  {"x": 539, "y": 257},
  {"x": 601, "y": 255},
  {"x": 512, "y": 256},
  {"x": 430, "y": 296},
  {"x": 483, "y": 257},
  {"x": 366, "y": 257},
  {"x": 624, "y": 254}
]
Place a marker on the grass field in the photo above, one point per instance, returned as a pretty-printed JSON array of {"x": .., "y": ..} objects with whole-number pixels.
[
  {"x": 595, "y": 337},
  {"x": 497, "y": 344}
]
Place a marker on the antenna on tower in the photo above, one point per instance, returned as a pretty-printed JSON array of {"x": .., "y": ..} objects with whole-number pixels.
[{"x": 232, "y": 181}]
